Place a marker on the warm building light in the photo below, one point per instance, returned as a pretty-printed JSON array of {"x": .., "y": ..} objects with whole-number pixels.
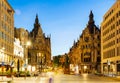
[
  {"x": 29, "y": 67},
  {"x": 33, "y": 68},
  {"x": 85, "y": 67},
  {"x": 28, "y": 43}
]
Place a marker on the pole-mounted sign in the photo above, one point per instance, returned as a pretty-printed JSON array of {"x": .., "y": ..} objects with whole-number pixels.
[{"x": 2, "y": 63}]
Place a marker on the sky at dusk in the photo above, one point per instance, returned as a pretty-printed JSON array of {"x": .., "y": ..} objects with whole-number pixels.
[{"x": 63, "y": 19}]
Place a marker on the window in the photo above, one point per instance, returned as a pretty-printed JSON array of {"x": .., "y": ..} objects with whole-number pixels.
[
  {"x": 117, "y": 23},
  {"x": 98, "y": 37},
  {"x": 98, "y": 52},
  {"x": 117, "y": 15},
  {"x": 86, "y": 39},
  {"x": 0, "y": 34},
  {"x": 98, "y": 59},
  {"x": 86, "y": 59},
  {"x": 98, "y": 45}
]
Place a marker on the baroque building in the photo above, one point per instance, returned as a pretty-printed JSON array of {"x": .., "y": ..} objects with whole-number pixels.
[
  {"x": 110, "y": 41},
  {"x": 85, "y": 53},
  {"x": 90, "y": 47},
  {"x": 23, "y": 36},
  {"x": 74, "y": 58},
  {"x": 6, "y": 33},
  {"x": 18, "y": 55},
  {"x": 40, "y": 51}
]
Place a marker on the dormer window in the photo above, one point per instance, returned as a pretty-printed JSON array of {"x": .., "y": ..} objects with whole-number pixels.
[{"x": 86, "y": 39}]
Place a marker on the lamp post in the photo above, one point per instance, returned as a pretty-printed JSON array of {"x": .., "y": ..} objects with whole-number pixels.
[
  {"x": 11, "y": 69},
  {"x": 108, "y": 63},
  {"x": 40, "y": 61},
  {"x": 85, "y": 69},
  {"x": 25, "y": 57}
]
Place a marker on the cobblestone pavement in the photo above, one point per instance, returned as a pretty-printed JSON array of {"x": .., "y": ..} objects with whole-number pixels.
[{"x": 62, "y": 78}]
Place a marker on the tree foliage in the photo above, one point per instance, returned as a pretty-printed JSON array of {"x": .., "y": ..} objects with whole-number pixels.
[{"x": 56, "y": 61}]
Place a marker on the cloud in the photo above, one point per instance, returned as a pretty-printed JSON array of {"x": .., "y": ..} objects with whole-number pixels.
[{"x": 17, "y": 12}]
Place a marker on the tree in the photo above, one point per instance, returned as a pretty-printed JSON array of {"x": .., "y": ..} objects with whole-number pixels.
[
  {"x": 66, "y": 61},
  {"x": 56, "y": 61}
]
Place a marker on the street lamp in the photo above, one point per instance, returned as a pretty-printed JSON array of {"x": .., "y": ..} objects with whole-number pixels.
[
  {"x": 11, "y": 68},
  {"x": 25, "y": 57},
  {"x": 85, "y": 68},
  {"x": 40, "y": 61},
  {"x": 108, "y": 63}
]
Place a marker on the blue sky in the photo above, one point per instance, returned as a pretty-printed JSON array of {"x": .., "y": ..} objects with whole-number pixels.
[{"x": 63, "y": 19}]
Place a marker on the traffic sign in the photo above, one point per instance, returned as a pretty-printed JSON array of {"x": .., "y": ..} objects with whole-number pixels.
[
  {"x": 2, "y": 63},
  {"x": 25, "y": 65}
]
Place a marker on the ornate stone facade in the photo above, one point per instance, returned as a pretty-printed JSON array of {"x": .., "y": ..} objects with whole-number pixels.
[
  {"x": 86, "y": 51},
  {"x": 38, "y": 54},
  {"x": 18, "y": 55},
  {"x": 23, "y": 36},
  {"x": 40, "y": 50}
]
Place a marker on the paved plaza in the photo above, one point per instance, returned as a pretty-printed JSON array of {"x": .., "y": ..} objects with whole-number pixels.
[{"x": 63, "y": 78}]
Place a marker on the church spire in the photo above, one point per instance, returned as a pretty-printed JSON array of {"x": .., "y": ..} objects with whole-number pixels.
[
  {"x": 36, "y": 19},
  {"x": 37, "y": 30},
  {"x": 91, "y": 20}
]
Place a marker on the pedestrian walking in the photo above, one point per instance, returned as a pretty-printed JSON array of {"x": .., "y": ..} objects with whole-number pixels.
[{"x": 50, "y": 80}]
